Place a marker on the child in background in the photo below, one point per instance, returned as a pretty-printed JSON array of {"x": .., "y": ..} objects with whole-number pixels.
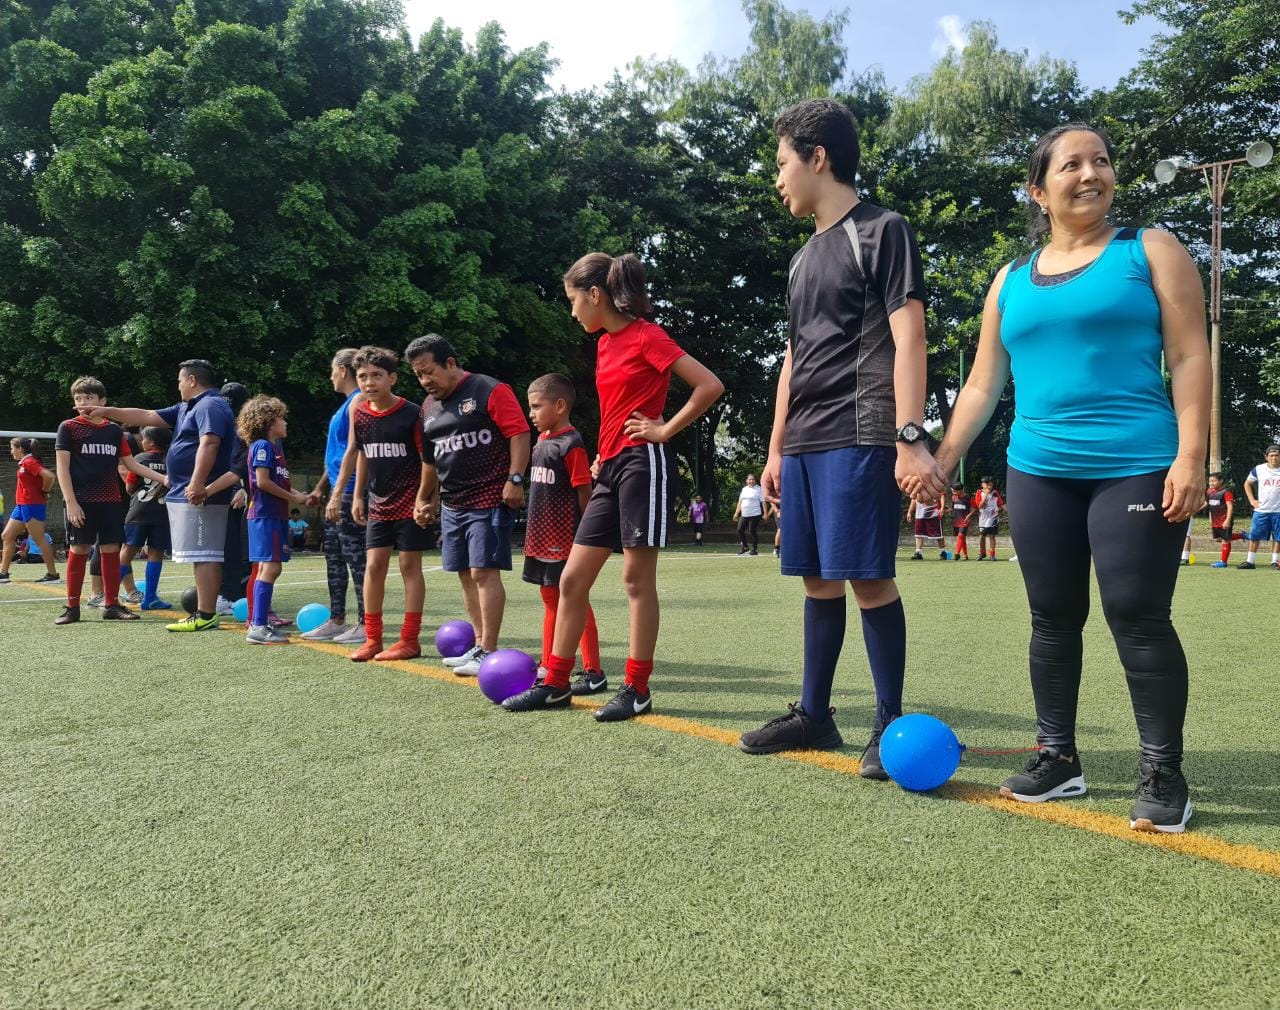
[
  {"x": 559, "y": 487},
  {"x": 698, "y": 516},
  {"x": 928, "y": 526},
  {"x": 262, "y": 424},
  {"x": 297, "y": 530},
  {"x": 961, "y": 513},
  {"x": 31, "y": 503},
  {"x": 988, "y": 503},
  {"x": 146, "y": 526},
  {"x": 1221, "y": 506}
]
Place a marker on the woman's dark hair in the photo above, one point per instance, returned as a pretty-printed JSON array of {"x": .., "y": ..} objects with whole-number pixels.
[
  {"x": 346, "y": 358},
  {"x": 29, "y": 446},
  {"x": 1038, "y": 168},
  {"x": 621, "y": 278},
  {"x": 825, "y": 123}
]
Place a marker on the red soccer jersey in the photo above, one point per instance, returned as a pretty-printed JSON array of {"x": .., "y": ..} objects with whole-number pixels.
[
  {"x": 30, "y": 489},
  {"x": 633, "y": 372},
  {"x": 95, "y": 450},
  {"x": 391, "y": 441},
  {"x": 559, "y": 468},
  {"x": 1217, "y": 502}
]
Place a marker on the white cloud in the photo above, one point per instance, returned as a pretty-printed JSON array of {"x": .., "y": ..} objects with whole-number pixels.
[
  {"x": 951, "y": 35},
  {"x": 592, "y": 41}
]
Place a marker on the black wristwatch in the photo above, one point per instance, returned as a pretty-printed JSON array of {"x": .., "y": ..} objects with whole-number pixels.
[
  {"x": 911, "y": 433},
  {"x": 517, "y": 479}
]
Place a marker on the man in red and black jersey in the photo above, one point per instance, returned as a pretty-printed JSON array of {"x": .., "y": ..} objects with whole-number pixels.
[
  {"x": 88, "y": 456},
  {"x": 389, "y": 467},
  {"x": 475, "y": 446}
]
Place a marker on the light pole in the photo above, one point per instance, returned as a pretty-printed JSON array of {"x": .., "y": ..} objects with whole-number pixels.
[{"x": 1216, "y": 174}]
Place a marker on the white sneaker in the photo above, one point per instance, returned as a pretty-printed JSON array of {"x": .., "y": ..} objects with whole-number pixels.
[
  {"x": 97, "y": 601},
  {"x": 354, "y": 635},
  {"x": 134, "y": 597},
  {"x": 223, "y": 607},
  {"x": 471, "y": 667},
  {"x": 1014, "y": 558},
  {"x": 261, "y": 635},
  {"x": 327, "y": 632},
  {"x": 455, "y": 661}
]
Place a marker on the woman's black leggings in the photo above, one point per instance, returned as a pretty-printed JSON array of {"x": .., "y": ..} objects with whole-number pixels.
[
  {"x": 749, "y": 529},
  {"x": 1056, "y": 524}
]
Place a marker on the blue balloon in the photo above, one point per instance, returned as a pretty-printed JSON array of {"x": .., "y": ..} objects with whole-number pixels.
[
  {"x": 240, "y": 609},
  {"x": 142, "y": 585},
  {"x": 919, "y": 752},
  {"x": 312, "y": 616}
]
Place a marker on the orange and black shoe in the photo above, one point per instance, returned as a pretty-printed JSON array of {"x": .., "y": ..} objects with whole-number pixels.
[
  {"x": 366, "y": 652},
  {"x": 401, "y": 650}
]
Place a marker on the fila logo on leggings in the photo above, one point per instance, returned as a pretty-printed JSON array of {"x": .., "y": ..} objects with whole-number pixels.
[{"x": 1142, "y": 508}]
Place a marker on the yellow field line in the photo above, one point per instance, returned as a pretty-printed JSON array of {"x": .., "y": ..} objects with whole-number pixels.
[{"x": 1200, "y": 846}]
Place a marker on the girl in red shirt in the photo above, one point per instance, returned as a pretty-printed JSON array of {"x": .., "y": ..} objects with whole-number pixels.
[
  {"x": 30, "y": 504},
  {"x": 632, "y": 504}
]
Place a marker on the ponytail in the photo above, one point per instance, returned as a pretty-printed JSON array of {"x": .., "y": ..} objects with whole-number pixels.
[
  {"x": 29, "y": 446},
  {"x": 621, "y": 278}
]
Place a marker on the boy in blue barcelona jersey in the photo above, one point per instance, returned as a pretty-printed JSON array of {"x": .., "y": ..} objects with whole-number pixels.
[{"x": 262, "y": 424}]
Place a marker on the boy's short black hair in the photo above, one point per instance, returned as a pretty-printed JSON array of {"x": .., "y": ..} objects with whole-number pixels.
[
  {"x": 554, "y": 386},
  {"x": 296, "y": 512},
  {"x": 437, "y": 346},
  {"x": 200, "y": 370},
  {"x": 89, "y": 385},
  {"x": 377, "y": 357},
  {"x": 825, "y": 123},
  {"x": 957, "y": 486},
  {"x": 161, "y": 438},
  {"x": 1219, "y": 474},
  {"x": 235, "y": 394},
  {"x": 987, "y": 480},
  {"x": 1272, "y": 448}
]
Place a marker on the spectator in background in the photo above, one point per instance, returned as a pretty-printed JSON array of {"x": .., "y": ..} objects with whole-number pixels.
[
  {"x": 698, "y": 516},
  {"x": 297, "y": 530},
  {"x": 747, "y": 514}
]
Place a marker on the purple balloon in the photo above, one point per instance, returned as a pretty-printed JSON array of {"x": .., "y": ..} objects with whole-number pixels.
[
  {"x": 506, "y": 672},
  {"x": 453, "y": 638}
]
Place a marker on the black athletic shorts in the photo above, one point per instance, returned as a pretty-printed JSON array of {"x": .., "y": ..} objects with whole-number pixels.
[
  {"x": 103, "y": 524},
  {"x": 633, "y": 502},
  {"x": 402, "y": 534},
  {"x": 987, "y": 531},
  {"x": 1221, "y": 533},
  {"x": 542, "y": 573}
]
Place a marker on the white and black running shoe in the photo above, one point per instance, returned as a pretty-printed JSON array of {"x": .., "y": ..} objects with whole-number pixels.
[
  {"x": 1162, "y": 803},
  {"x": 626, "y": 704},
  {"x": 589, "y": 682},
  {"x": 539, "y": 697},
  {"x": 1050, "y": 775}
]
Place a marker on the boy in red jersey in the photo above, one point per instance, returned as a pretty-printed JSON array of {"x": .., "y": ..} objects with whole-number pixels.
[
  {"x": 386, "y": 432},
  {"x": 475, "y": 449},
  {"x": 87, "y": 456},
  {"x": 559, "y": 488},
  {"x": 632, "y": 504},
  {"x": 1221, "y": 506},
  {"x": 961, "y": 513}
]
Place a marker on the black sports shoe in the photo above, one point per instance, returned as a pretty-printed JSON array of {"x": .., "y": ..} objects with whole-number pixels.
[
  {"x": 626, "y": 704},
  {"x": 793, "y": 731},
  {"x": 589, "y": 682},
  {"x": 49, "y": 579},
  {"x": 538, "y": 697},
  {"x": 69, "y": 615},
  {"x": 116, "y": 612},
  {"x": 917, "y": 556},
  {"x": 1248, "y": 566},
  {"x": 1162, "y": 803},
  {"x": 870, "y": 767},
  {"x": 4, "y": 577},
  {"x": 1047, "y": 776}
]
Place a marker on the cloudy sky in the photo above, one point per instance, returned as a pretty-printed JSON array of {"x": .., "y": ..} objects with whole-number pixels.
[{"x": 902, "y": 38}]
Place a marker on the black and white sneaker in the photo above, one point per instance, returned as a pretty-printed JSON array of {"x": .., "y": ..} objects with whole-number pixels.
[
  {"x": 1246, "y": 566},
  {"x": 869, "y": 767},
  {"x": 917, "y": 556},
  {"x": 1048, "y": 776},
  {"x": 538, "y": 697},
  {"x": 4, "y": 578},
  {"x": 1162, "y": 803},
  {"x": 589, "y": 682},
  {"x": 794, "y": 731},
  {"x": 626, "y": 704}
]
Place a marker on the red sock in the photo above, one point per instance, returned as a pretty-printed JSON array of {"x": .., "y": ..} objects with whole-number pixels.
[
  {"x": 76, "y": 564},
  {"x": 248, "y": 593},
  {"x": 558, "y": 670},
  {"x": 638, "y": 671},
  {"x": 372, "y": 627},
  {"x": 550, "y": 604},
  {"x": 590, "y": 643},
  {"x": 1226, "y": 550},
  {"x": 412, "y": 626},
  {"x": 962, "y": 546},
  {"x": 111, "y": 579}
]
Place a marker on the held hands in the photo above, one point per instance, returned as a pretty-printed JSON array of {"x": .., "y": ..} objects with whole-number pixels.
[
  {"x": 313, "y": 500},
  {"x": 1183, "y": 490},
  {"x": 918, "y": 474},
  {"x": 650, "y": 429}
]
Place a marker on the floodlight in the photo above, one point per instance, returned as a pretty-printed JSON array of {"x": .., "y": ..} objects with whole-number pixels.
[
  {"x": 1166, "y": 170},
  {"x": 1259, "y": 153}
]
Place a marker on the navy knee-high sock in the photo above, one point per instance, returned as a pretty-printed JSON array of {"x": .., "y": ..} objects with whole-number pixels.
[
  {"x": 884, "y": 629},
  {"x": 824, "y": 623}
]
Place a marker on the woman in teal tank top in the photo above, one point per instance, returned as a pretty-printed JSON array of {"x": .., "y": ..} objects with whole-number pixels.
[{"x": 1102, "y": 467}]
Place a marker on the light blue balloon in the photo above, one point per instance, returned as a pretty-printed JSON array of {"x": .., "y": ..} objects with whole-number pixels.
[
  {"x": 311, "y": 616},
  {"x": 919, "y": 752},
  {"x": 240, "y": 610},
  {"x": 142, "y": 585}
]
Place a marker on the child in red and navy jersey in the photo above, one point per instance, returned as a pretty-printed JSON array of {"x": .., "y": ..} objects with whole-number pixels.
[
  {"x": 961, "y": 513},
  {"x": 146, "y": 522},
  {"x": 1221, "y": 506},
  {"x": 88, "y": 454},
  {"x": 262, "y": 423},
  {"x": 476, "y": 448},
  {"x": 632, "y": 504},
  {"x": 31, "y": 503},
  {"x": 559, "y": 487},
  {"x": 386, "y": 430}
]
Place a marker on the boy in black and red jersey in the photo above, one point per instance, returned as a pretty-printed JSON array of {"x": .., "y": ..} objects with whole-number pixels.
[
  {"x": 475, "y": 450},
  {"x": 559, "y": 488},
  {"x": 961, "y": 513},
  {"x": 1221, "y": 505},
  {"x": 88, "y": 453},
  {"x": 390, "y": 468}
]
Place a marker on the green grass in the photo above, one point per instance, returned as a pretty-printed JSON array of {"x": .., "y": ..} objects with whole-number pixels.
[{"x": 189, "y": 822}]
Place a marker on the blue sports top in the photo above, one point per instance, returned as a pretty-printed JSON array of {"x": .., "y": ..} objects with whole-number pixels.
[
  {"x": 206, "y": 414},
  {"x": 335, "y": 445},
  {"x": 1089, "y": 394}
]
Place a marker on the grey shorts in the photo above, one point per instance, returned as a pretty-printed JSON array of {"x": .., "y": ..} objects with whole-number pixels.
[{"x": 198, "y": 532}]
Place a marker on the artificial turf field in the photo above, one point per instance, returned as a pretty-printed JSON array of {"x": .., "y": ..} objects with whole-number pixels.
[{"x": 192, "y": 822}]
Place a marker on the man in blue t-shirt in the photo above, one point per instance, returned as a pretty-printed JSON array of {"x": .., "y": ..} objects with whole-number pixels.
[
  {"x": 344, "y": 550},
  {"x": 201, "y": 481}
]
